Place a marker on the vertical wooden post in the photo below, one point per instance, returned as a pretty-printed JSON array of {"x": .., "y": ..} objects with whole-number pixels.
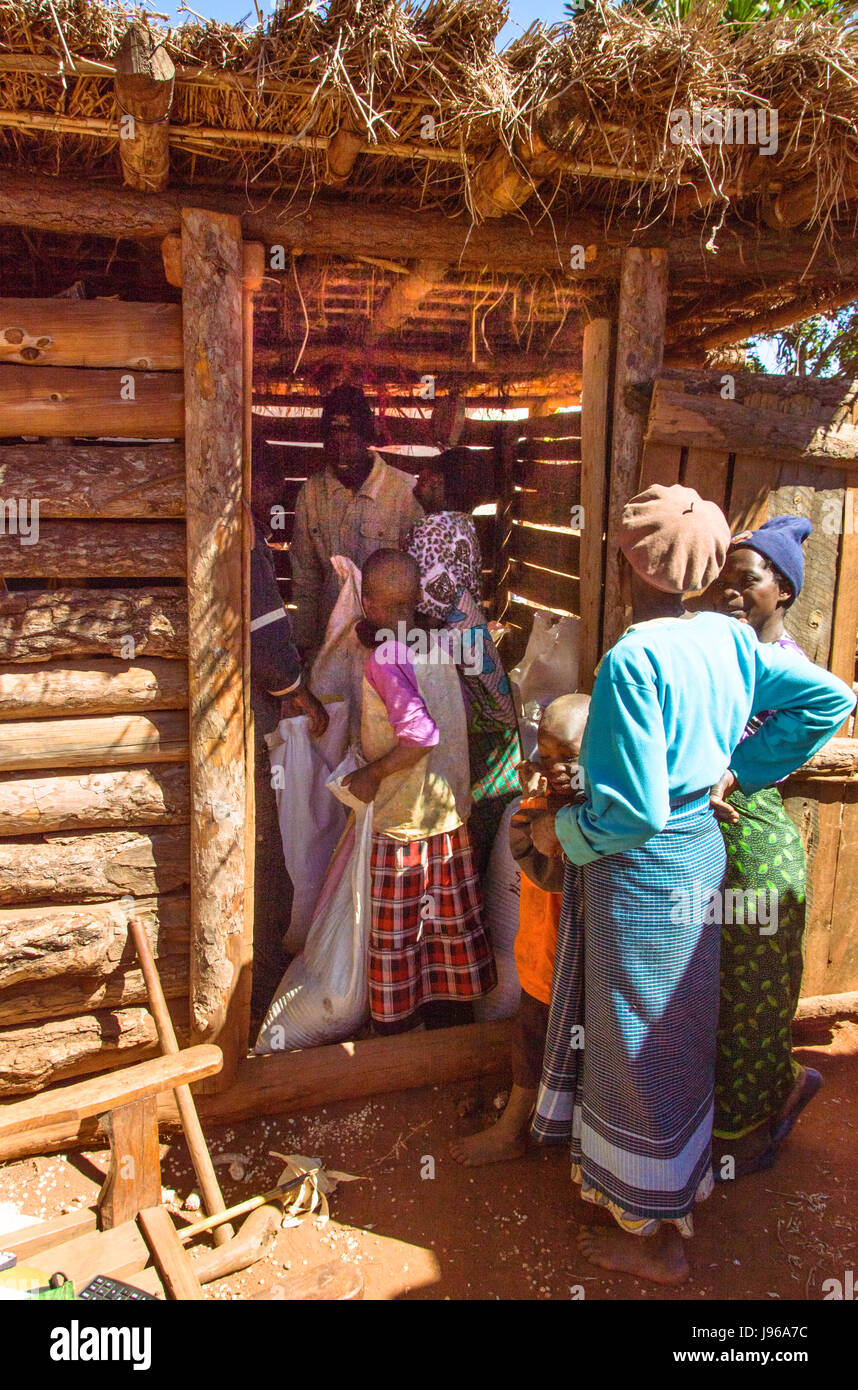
[
  {"x": 254, "y": 271},
  {"x": 212, "y": 272},
  {"x": 594, "y": 491},
  {"x": 845, "y": 619},
  {"x": 144, "y": 94},
  {"x": 640, "y": 350}
]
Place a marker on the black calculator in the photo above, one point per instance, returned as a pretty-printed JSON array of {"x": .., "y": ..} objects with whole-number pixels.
[{"x": 104, "y": 1289}]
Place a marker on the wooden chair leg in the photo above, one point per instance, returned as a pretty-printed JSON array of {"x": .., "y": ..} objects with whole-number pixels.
[
  {"x": 171, "y": 1257},
  {"x": 133, "y": 1179}
]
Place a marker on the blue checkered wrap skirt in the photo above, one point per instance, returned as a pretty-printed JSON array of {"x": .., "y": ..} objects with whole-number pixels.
[{"x": 628, "y": 1075}]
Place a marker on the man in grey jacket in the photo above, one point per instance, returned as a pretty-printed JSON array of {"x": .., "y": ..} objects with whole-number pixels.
[{"x": 359, "y": 504}]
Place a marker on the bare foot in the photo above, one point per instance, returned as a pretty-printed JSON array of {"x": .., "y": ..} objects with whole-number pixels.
[
  {"x": 493, "y": 1145},
  {"x": 660, "y": 1258}
]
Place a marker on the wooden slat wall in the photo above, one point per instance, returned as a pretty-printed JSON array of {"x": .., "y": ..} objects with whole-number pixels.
[
  {"x": 763, "y": 468},
  {"x": 542, "y": 548},
  {"x": 287, "y": 450},
  {"x": 94, "y": 802}
]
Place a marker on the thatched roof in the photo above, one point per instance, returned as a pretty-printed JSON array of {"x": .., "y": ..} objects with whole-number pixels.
[{"x": 564, "y": 121}]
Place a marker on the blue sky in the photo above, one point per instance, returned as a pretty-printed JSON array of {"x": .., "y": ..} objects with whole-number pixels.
[{"x": 522, "y": 12}]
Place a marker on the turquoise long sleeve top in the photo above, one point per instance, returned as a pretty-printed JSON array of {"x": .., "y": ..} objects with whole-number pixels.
[{"x": 670, "y": 704}]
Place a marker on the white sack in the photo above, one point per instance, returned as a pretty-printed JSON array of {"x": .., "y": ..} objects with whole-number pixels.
[
  {"x": 311, "y": 820},
  {"x": 549, "y": 667},
  {"x": 324, "y": 995}
]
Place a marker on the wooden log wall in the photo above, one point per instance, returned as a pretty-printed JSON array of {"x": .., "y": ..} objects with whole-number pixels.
[
  {"x": 94, "y": 787},
  {"x": 542, "y": 554},
  {"x": 287, "y": 450},
  {"x": 779, "y": 445}
]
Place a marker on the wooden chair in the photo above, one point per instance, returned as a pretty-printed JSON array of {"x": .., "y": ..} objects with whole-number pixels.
[
  {"x": 126, "y": 1103},
  {"x": 129, "y": 1227}
]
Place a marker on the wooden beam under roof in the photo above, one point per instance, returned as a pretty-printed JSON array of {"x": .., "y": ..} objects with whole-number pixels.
[
  {"x": 506, "y": 244},
  {"x": 504, "y": 183},
  {"x": 405, "y": 296}
]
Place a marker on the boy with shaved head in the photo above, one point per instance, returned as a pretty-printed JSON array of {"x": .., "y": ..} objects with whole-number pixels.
[
  {"x": 561, "y": 730},
  {"x": 429, "y": 954}
]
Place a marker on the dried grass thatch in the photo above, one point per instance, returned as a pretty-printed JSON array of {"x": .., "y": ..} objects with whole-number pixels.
[
  {"x": 598, "y": 90},
  {"x": 575, "y": 116}
]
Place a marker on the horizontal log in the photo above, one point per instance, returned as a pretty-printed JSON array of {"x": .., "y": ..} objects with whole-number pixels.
[
  {"x": 68, "y": 402},
  {"x": 89, "y": 867},
  {"x": 711, "y": 423},
  {"x": 565, "y": 425},
  {"x": 96, "y": 480},
  {"x": 36, "y": 1056},
  {"x": 550, "y": 479},
  {"x": 43, "y": 1235},
  {"x": 564, "y": 450},
  {"x": 68, "y": 994},
  {"x": 102, "y": 740},
  {"x": 827, "y": 391},
  {"x": 506, "y": 243},
  {"x": 108, "y": 799},
  {"x": 105, "y": 686},
  {"x": 838, "y": 759},
  {"x": 295, "y": 1081},
  {"x": 79, "y": 622},
  {"x": 538, "y": 371},
  {"x": 94, "y": 550},
  {"x": 393, "y": 402},
  {"x": 551, "y": 548},
  {"x": 542, "y": 508},
  {"x": 41, "y": 943},
  {"x": 828, "y": 1006},
  {"x": 91, "y": 333},
  {"x": 542, "y": 586},
  {"x": 31, "y": 1058}
]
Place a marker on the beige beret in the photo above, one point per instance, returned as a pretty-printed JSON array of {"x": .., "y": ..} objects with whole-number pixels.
[{"x": 673, "y": 539}]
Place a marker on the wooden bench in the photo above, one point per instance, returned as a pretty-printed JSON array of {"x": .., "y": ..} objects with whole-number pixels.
[
  {"x": 133, "y": 1226},
  {"x": 126, "y": 1103}
]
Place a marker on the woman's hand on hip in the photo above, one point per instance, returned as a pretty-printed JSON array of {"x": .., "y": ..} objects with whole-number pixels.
[{"x": 724, "y": 787}]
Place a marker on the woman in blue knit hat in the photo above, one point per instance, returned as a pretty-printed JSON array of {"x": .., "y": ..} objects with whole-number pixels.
[{"x": 759, "y": 1090}]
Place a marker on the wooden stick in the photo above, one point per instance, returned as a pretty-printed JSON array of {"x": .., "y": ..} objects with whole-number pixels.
[
  {"x": 179, "y": 1276},
  {"x": 209, "y": 1223},
  {"x": 200, "y": 1156}
]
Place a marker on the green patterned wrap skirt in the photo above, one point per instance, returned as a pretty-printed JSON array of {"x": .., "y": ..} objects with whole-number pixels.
[{"x": 761, "y": 964}]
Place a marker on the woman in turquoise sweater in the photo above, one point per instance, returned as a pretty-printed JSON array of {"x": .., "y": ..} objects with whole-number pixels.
[{"x": 670, "y": 703}]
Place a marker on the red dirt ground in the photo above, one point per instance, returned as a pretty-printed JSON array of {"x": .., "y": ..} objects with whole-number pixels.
[{"x": 508, "y": 1231}]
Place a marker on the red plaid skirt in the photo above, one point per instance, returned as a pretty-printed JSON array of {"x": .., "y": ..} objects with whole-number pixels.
[{"x": 427, "y": 941}]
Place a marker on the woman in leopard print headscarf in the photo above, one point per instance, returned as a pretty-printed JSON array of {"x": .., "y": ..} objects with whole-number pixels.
[{"x": 445, "y": 545}]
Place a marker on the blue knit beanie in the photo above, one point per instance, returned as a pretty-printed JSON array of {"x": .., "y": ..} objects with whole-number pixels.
[{"x": 779, "y": 540}]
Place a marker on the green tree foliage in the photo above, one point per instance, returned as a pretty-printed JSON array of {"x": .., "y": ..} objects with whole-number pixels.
[
  {"x": 824, "y": 345},
  {"x": 736, "y": 12}
]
